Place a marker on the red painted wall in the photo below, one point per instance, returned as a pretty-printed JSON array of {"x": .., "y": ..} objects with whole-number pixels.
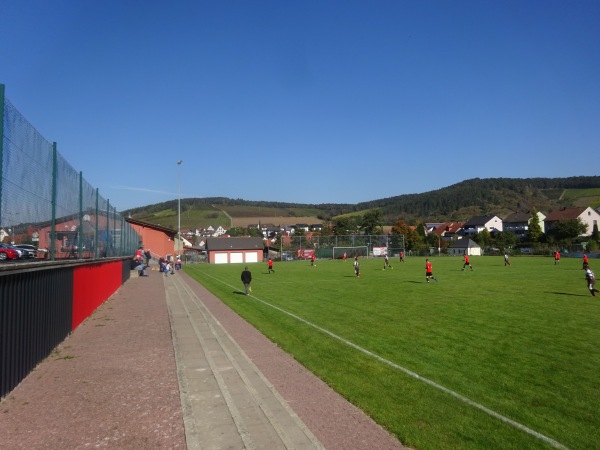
[
  {"x": 92, "y": 286},
  {"x": 157, "y": 241}
]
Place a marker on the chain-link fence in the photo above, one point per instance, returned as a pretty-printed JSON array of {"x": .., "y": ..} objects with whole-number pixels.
[
  {"x": 45, "y": 202},
  {"x": 288, "y": 248}
]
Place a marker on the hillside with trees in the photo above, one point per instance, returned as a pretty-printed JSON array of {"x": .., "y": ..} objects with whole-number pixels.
[{"x": 458, "y": 202}]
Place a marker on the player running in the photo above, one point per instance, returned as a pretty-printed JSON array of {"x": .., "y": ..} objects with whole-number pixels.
[
  {"x": 386, "y": 263},
  {"x": 356, "y": 267},
  {"x": 429, "y": 271},
  {"x": 590, "y": 280},
  {"x": 467, "y": 263}
]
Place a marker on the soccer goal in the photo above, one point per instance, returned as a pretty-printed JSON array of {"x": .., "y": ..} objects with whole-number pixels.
[{"x": 351, "y": 252}]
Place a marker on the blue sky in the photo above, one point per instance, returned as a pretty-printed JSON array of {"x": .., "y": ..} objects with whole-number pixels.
[{"x": 310, "y": 101}]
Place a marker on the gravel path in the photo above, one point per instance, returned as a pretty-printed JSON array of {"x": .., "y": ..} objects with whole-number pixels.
[{"x": 113, "y": 383}]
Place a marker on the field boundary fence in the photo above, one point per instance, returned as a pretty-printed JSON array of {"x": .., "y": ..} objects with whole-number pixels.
[
  {"x": 289, "y": 248},
  {"x": 46, "y": 202}
]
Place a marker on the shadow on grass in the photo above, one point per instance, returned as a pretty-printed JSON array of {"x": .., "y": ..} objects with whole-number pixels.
[
  {"x": 239, "y": 293},
  {"x": 569, "y": 294}
]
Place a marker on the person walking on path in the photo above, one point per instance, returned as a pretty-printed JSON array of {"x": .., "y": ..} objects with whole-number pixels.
[
  {"x": 506, "y": 263},
  {"x": 247, "y": 279},
  {"x": 270, "y": 265},
  {"x": 356, "y": 267},
  {"x": 556, "y": 257},
  {"x": 590, "y": 280},
  {"x": 467, "y": 263},
  {"x": 429, "y": 271},
  {"x": 386, "y": 263},
  {"x": 148, "y": 256}
]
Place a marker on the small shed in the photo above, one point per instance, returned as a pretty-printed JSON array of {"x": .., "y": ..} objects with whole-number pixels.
[
  {"x": 464, "y": 246},
  {"x": 226, "y": 250}
]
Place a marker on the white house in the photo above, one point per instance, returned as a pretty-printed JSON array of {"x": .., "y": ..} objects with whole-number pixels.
[
  {"x": 518, "y": 223},
  {"x": 588, "y": 216},
  {"x": 464, "y": 246},
  {"x": 479, "y": 223}
]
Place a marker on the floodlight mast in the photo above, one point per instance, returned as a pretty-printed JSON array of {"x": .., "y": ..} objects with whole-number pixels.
[{"x": 179, "y": 207}]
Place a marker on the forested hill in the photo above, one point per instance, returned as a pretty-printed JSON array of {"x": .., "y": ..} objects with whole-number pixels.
[
  {"x": 460, "y": 201},
  {"x": 488, "y": 195}
]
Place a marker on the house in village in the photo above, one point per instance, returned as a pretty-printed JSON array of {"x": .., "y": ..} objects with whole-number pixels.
[
  {"x": 303, "y": 226},
  {"x": 69, "y": 233},
  {"x": 161, "y": 241},
  {"x": 518, "y": 223},
  {"x": 234, "y": 250},
  {"x": 448, "y": 230},
  {"x": 588, "y": 216},
  {"x": 477, "y": 224},
  {"x": 464, "y": 246}
]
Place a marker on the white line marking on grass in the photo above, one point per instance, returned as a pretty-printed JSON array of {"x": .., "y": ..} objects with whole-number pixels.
[{"x": 454, "y": 394}]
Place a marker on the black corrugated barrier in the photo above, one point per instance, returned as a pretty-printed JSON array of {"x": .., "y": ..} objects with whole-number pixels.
[{"x": 36, "y": 314}]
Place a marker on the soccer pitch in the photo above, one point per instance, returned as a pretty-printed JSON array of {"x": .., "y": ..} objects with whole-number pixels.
[{"x": 498, "y": 357}]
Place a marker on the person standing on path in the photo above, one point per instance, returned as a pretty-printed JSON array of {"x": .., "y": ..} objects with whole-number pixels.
[
  {"x": 467, "y": 263},
  {"x": 270, "y": 265},
  {"x": 429, "y": 271},
  {"x": 247, "y": 279}
]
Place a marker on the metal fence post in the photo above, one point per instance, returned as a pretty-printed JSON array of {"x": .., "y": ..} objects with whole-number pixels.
[
  {"x": 80, "y": 233},
  {"x": 54, "y": 182},
  {"x": 107, "y": 227},
  {"x": 96, "y": 226},
  {"x": 1, "y": 144}
]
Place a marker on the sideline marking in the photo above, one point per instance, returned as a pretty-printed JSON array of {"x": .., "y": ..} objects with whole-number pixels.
[{"x": 409, "y": 372}]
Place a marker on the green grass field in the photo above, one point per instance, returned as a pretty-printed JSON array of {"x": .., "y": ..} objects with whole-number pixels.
[{"x": 497, "y": 358}]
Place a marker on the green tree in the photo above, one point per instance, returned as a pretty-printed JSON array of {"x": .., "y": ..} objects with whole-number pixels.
[
  {"x": 566, "y": 230},
  {"x": 344, "y": 226},
  {"x": 414, "y": 241},
  {"x": 534, "y": 233},
  {"x": 237, "y": 231},
  {"x": 254, "y": 232},
  {"x": 372, "y": 222},
  {"x": 327, "y": 229},
  {"x": 483, "y": 238},
  {"x": 506, "y": 240}
]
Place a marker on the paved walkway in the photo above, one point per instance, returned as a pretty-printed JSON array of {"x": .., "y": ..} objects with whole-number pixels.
[{"x": 165, "y": 364}]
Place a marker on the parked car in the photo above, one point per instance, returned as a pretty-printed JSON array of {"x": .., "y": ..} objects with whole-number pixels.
[
  {"x": 30, "y": 250},
  {"x": 20, "y": 251},
  {"x": 7, "y": 253}
]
